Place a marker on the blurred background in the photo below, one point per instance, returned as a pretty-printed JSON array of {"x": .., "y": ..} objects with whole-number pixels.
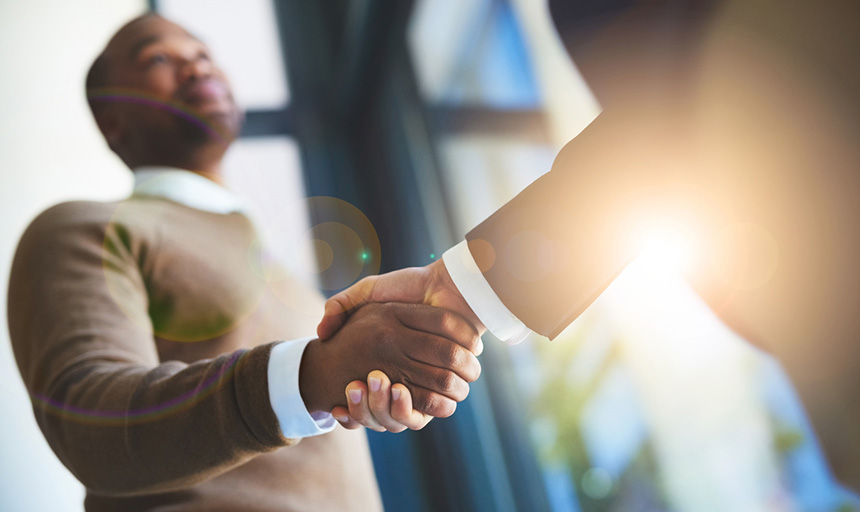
[{"x": 425, "y": 116}]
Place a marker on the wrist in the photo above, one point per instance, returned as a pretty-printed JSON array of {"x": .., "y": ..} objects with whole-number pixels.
[
  {"x": 443, "y": 291},
  {"x": 439, "y": 282},
  {"x": 312, "y": 378}
]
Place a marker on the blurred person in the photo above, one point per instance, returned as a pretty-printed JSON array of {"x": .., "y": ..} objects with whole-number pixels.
[
  {"x": 146, "y": 333},
  {"x": 735, "y": 124}
]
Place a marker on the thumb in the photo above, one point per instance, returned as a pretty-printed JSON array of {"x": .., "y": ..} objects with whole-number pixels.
[
  {"x": 333, "y": 319},
  {"x": 340, "y": 306}
]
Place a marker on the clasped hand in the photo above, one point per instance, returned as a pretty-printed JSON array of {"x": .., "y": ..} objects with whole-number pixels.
[{"x": 421, "y": 364}]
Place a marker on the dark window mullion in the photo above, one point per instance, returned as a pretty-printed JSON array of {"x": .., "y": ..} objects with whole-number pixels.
[
  {"x": 261, "y": 123},
  {"x": 523, "y": 124}
]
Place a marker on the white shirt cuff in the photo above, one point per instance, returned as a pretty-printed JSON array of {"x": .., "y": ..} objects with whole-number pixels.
[
  {"x": 293, "y": 416},
  {"x": 475, "y": 289}
]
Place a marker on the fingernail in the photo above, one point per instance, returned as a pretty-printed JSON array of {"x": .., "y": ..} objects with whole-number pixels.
[
  {"x": 395, "y": 393},
  {"x": 342, "y": 419},
  {"x": 375, "y": 383},
  {"x": 355, "y": 396}
]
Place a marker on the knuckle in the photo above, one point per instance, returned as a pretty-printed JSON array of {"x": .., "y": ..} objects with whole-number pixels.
[
  {"x": 450, "y": 355},
  {"x": 474, "y": 340},
  {"x": 433, "y": 404},
  {"x": 468, "y": 366},
  {"x": 447, "y": 321},
  {"x": 458, "y": 389},
  {"x": 459, "y": 330},
  {"x": 424, "y": 401},
  {"x": 447, "y": 381}
]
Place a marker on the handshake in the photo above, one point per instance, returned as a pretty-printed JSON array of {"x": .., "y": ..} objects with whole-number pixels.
[{"x": 410, "y": 334}]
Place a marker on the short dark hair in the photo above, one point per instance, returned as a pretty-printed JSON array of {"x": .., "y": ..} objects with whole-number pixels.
[{"x": 98, "y": 75}]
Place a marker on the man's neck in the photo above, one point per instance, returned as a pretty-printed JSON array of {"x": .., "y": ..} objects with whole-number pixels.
[{"x": 205, "y": 161}]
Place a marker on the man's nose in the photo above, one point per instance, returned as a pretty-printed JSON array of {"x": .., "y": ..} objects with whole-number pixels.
[{"x": 195, "y": 69}]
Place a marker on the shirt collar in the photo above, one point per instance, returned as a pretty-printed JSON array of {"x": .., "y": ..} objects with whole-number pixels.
[{"x": 187, "y": 188}]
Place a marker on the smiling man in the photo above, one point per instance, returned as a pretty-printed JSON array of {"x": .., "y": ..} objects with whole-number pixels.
[
  {"x": 165, "y": 96},
  {"x": 148, "y": 338}
]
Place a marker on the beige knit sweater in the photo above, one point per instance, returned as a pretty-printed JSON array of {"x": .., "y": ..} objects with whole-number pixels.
[{"x": 142, "y": 330}]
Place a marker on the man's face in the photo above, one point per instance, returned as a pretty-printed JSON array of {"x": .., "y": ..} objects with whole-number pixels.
[{"x": 181, "y": 91}]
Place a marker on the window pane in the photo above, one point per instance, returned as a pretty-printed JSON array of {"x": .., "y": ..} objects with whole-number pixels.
[
  {"x": 471, "y": 53},
  {"x": 267, "y": 172},
  {"x": 243, "y": 37},
  {"x": 499, "y": 167}
]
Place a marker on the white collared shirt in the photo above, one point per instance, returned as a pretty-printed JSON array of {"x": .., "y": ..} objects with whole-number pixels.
[{"x": 196, "y": 191}]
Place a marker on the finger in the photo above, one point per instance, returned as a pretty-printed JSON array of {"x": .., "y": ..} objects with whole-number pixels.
[
  {"x": 445, "y": 354},
  {"x": 402, "y": 411},
  {"x": 438, "y": 380},
  {"x": 339, "y": 306},
  {"x": 341, "y": 414},
  {"x": 356, "y": 398},
  {"x": 379, "y": 399},
  {"x": 441, "y": 322},
  {"x": 431, "y": 403}
]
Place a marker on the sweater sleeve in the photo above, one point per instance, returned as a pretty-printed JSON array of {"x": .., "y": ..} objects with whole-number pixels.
[{"x": 123, "y": 422}]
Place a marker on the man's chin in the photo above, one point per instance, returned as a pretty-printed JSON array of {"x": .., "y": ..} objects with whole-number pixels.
[{"x": 224, "y": 124}]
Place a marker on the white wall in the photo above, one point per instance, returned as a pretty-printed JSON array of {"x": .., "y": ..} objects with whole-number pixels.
[{"x": 50, "y": 151}]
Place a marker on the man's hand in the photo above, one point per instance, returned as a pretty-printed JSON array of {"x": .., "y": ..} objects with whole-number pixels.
[
  {"x": 386, "y": 409},
  {"x": 421, "y": 285},
  {"x": 429, "y": 350},
  {"x": 379, "y": 405}
]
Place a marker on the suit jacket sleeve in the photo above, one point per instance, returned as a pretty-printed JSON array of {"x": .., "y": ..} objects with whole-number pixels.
[{"x": 550, "y": 251}]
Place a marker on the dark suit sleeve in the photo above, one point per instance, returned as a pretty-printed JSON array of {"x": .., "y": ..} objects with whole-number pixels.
[
  {"x": 765, "y": 141},
  {"x": 550, "y": 251}
]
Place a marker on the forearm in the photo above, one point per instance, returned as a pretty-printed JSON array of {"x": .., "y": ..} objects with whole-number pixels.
[
  {"x": 127, "y": 429},
  {"x": 550, "y": 251}
]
